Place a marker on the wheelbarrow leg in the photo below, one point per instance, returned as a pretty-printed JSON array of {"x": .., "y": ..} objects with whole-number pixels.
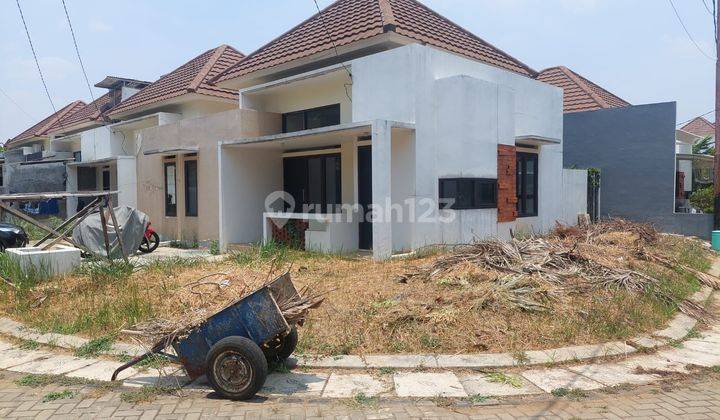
[{"x": 132, "y": 362}]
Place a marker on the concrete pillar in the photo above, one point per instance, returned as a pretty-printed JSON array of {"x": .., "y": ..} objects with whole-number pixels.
[
  {"x": 127, "y": 182},
  {"x": 71, "y": 185},
  {"x": 381, "y": 189}
]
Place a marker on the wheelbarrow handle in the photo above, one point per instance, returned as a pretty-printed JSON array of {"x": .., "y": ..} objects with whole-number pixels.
[{"x": 132, "y": 362}]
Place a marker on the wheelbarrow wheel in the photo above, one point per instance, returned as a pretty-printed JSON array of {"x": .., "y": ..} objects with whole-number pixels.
[{"x": 236, "y": 368}]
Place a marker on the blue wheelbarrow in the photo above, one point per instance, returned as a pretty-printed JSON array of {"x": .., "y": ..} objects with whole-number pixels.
[{"x": 233, "y": 347}]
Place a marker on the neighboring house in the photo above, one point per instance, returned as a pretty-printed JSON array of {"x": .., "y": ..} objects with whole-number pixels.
[
  {"x": 694, "y": 170},
  {"x": 177, "y": 179},
  {"x": 633, "y": 146},
  {"x": 30, "y": 164},
  {"x": 386, "y": 106}
]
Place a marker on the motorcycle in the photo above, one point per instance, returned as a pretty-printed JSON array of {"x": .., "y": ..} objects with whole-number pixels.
[{"x": 150, "y": 241}]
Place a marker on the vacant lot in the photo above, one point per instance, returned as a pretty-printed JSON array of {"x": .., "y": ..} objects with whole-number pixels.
[{"x": 441, "y": 301}]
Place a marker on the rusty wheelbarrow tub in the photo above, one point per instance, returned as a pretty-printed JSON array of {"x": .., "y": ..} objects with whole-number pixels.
[{"x": 233, "y": 347}]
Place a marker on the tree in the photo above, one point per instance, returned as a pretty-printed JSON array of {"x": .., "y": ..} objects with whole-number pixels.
[
  {"x": 706, "y": 146},
  {"x": 702, "y": 199}
]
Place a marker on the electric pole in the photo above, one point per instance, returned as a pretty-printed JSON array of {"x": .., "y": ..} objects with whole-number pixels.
[{"x": 717, "y": 120}]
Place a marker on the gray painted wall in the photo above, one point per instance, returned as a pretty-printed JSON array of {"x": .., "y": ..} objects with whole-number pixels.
[
  {"x": 634, "y": 148},
  {"x": 40, "y": 177}
]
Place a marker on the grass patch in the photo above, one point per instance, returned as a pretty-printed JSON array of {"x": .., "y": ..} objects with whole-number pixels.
[
  {"x": 104, "y": 271},
  {"x": 571, "y": 393},
  {"x": 155, "y": 362},
  {"x": 214, "y": 247},
  {"x": 387, "y": 371},
  {"x": 715, "y": 369},
  {"x": 184, "y": 244},
  {"x": 29, "y": 345},
  {"x": 501, "y": 378},
  {"x": 38, "y": 381},
  {"x": 362, "y": 400},
  {"x": 35, "y": 233},
  {"x": 60, "y": 395},
  {"x": 477, "y": 399},
  {"x": 145, "y": 394},
  {"x": 34, "y": 381},
  {"x": 23, "y": 279},
  {"x": 95, "y": 347},
  {"x": 520, "y": 356},
  {"x": 386, "y": 316}
]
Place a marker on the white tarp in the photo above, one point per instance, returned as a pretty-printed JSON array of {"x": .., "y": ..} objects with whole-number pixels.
[{"x": 133, "y": 223}]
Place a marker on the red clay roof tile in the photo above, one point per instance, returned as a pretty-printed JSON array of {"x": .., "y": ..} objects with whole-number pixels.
[
  {"x": 580, "y": 94},
  {"x": 90, "y": 112},
  {"x": 43, "y": 127},
  {"x": 193, "y": 76},
  {"x": 348, "y": 21},
  {"x": 700, "y": 127}
]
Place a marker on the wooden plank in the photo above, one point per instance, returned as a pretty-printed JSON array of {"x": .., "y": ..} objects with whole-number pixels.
[
  {"x": 103, "y": 223},
  {"x": 68, "y": 221},
  {"x": 63, "y": 237},
  {"x": 49, "y": 195},
  {"x": 117, "y": 230},
  {"x": 30, "y": 220}
]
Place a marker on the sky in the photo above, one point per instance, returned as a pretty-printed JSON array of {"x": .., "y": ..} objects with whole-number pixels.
[{"x": 637, "y": 49}]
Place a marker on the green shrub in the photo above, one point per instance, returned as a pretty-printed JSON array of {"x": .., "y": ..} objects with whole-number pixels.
[{"x": 703, "y": 199}]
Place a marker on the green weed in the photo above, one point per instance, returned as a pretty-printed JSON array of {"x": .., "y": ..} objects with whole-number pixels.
[
  {"x": 95, "y": 347},
  {"x": 29, "y": 345},
  {"x": 58, "y": 395},
  {"x": 571, "y": 393},
  {"x": 144, "y": 394},
  {"x": 501, "y": 378},
  {"x": 477, "y": 399},
  {"x": 363, "y": 400}
]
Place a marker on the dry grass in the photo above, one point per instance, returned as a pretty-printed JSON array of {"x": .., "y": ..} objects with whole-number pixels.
[{"x": 468, "y": 308}]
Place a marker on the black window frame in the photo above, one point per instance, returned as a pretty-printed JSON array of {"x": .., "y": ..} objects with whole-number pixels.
[
  {"x": 170, "y": 209},
  {"x": 188, "y": 196},
  {"x": 304, "y": 113},
  {"x": 522, "y": 196},
  {"x": 106, "y": 186},
  {"x": 472, "y": 199},
  {"x": 325, "y": 205}
]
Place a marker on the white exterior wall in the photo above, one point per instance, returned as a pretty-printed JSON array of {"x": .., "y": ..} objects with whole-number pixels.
[
  {"x": 126, "y": 179},
  {"x": 247, "y": 177},
  {"x": 686, "y": 166},
  {"x": 327, "y": 89},
  {"x": 462, "y": 110},
  {"x": 103, "y": 143}
]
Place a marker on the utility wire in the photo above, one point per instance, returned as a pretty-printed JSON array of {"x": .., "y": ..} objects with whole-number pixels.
[
  {"x": 17, "y": 104},
  {"x": 327, "y": 33},
  {"x": 707, "y": 7},
  {"x": 37, "y": 63},
  {"x": 77, "y": 51},
  {"x": 699, "y": 116},
  {"x": 688, "y": 32}
]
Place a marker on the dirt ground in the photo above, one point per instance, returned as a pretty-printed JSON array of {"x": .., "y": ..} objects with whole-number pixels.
[{"x": 369, "y": 308}]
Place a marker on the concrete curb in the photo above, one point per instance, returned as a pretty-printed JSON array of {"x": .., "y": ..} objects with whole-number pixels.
[{"x": 677, "y": 329}]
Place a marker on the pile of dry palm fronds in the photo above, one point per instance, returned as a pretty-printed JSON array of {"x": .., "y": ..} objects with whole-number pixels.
[{"x": 530, "y": 272}]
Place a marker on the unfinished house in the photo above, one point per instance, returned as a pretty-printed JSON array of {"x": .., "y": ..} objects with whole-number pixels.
[
  {"x": 396, "y": 129},
  {"x": 31, "y": 165},
  {"x": 634, "y": 148}
]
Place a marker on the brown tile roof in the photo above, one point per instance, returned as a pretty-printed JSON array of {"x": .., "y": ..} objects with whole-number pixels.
[
  {"x": 90, "y": 112},
  {"x": 700, "y": 127},
  {"x": 580, "y": 94},
  {"x": 43, "y": 127},
  {"x": 193, "y": 76},
  {"x": 348, "y": 21}
]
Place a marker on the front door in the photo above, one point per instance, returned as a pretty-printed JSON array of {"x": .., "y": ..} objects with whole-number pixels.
[{"x": 365, "y": 195}]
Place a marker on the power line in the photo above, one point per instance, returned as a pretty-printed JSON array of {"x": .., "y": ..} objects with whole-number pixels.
[
  {"x": 17, "y": 104},
  {"x": 327, "y": 33},
  {"x": 77, "y": 51},
  {"x": 37, "y": 63},
  {"x": 699, "y": 116},
  {"x": 707, "y": 7},
  {"x": 688, "y": 32}
]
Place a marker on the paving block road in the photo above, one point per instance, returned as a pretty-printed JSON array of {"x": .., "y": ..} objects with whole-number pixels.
[{"x": 695, "y": 398}]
